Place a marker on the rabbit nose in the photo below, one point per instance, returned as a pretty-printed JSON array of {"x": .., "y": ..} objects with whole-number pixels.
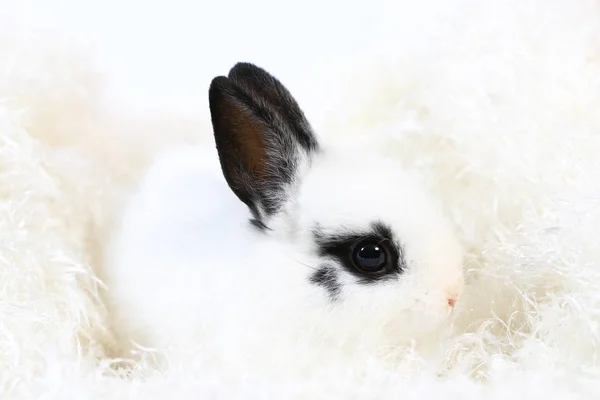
[
  {"x": 452, "y": 299},
  {"x": 454, "y": 293}
]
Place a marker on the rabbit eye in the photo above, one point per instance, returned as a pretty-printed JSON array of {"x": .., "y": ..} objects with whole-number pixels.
[{"x": 370, "y": 257}]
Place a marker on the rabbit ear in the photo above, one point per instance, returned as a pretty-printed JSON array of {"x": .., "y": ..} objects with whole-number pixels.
[
  {"x": 268, "y": 91},
  {"x": 260, "y": 135}
]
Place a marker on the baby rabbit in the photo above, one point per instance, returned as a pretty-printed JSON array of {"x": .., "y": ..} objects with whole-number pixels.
[{"x": 275, "y": 245}]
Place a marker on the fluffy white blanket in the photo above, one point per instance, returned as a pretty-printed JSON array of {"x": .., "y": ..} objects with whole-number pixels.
[{"x": 497, "y": 103}]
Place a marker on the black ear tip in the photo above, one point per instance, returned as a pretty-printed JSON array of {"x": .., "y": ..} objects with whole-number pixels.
[
  {"x": 243, "y": 65},
  {"x": 244, "y": 70},
  {"x": 219, "y": 83},
  {"x": 218, "y": 86}
]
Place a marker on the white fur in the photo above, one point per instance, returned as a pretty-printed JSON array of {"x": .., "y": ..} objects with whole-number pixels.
[
  {"x": 495, "y": 103},
  {"x": 185, "y": 268}
]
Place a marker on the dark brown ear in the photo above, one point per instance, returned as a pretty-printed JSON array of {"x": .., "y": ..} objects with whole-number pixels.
[
  {"x": 266, "y": 89},
  {"x": 258, "y": 152}
]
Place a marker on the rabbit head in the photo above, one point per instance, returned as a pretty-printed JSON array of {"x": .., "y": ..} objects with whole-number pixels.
[{"x": 378, "y": 249}]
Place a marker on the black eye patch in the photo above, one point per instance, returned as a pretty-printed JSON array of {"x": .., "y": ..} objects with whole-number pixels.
[
  {"x": 370, "y": 256},
  {"x": 327, "y": 277}
]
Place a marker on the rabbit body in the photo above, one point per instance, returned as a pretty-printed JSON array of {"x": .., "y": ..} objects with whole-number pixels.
[{"x": 301, "y": 250}]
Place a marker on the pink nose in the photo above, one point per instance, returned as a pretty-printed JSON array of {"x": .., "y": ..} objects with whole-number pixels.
[
  {"x": 454, "y": 291},
  {"x": 452, "y": 299}
]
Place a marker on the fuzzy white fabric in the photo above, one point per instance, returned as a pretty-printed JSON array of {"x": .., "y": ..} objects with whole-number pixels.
[{"x": 496, "y": 103}]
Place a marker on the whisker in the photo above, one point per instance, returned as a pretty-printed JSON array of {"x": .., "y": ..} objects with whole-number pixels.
[{"x": 305, "y": 264}]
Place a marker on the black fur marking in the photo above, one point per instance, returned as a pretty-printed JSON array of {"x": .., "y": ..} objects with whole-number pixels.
[
  {"x": 259, "y": 83},
  {"x": 259, "y": 130},
  {"x": 340, "y": 247},
  {"x": 327, "y": 277},
  {"x": 258, "y": 225}
]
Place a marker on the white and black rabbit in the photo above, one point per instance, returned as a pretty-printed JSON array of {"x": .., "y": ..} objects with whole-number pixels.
[{"x": 274, "y": 243}]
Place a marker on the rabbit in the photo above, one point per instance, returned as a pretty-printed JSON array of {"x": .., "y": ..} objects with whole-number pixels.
[{"x": 275, "y": 243}]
